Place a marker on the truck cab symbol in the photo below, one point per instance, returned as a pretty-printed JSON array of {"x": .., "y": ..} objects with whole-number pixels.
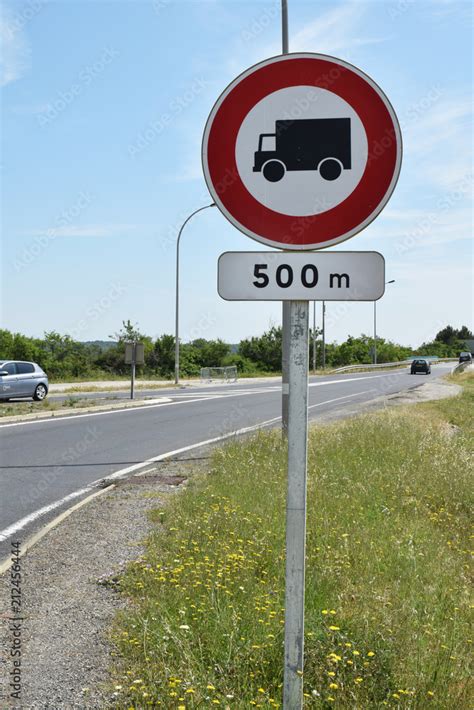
[{"x": 322, "y": 144}]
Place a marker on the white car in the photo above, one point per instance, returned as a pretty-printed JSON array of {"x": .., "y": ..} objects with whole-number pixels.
[{"x": 22, "y": 379}]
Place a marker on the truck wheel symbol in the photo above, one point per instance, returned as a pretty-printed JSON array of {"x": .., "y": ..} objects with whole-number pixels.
[
  {"x": 273, "y": 170},
  {"x": 330, "y": 169}
]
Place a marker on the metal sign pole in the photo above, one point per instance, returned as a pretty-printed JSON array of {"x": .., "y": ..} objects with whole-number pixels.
[
  {"x": 324, "y": 336},
  {"x": 314, "y": 337},
  {"x": 285, "y": 344},
  {"x": 296, "y": 505},
  {"x": 375, "y": 333},
  {"x": 295, "y": 356},
  {"x": 132, "y": 382}
]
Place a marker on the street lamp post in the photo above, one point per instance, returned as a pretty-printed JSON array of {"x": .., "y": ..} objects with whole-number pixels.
[
  {"x": 314, "y": 337},
  {"x": 375, "y": 325},
  {"x": 176, "y": 330},
  {"x": 323, "y": 361}
]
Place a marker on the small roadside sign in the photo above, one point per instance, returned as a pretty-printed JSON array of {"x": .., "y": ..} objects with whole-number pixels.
[
  {"x": 302, "y": 151},
  {"x": 134, "y": 353},
  {"x": 301, "y": 276}
]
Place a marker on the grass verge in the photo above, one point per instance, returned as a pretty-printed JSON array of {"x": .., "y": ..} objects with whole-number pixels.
[
  {"x": 11, "y": 409},
  {"x": 387, "y": 588}
]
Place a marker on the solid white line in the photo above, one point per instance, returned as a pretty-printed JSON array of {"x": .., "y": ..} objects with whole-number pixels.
[
  {"x": 20, "y": 524},
  {"x": 98, "y": 414},
  {"x": 187, "y": 401},
  {"x": 347, "y": 396},
  {"x": 7, "y": 532},
  {"x": 30, "y": 542},
  {"x": 350, "y": 379}
]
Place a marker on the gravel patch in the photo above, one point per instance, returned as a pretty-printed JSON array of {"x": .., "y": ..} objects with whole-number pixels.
[
  {"x": 68, "y": 595},
  {"x": 425, "y": 392}
]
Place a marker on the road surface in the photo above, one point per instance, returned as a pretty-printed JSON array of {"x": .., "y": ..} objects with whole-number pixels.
[{"x": 48, "y": 465}]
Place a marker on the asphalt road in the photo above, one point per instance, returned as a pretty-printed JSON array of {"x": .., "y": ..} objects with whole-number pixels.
[{"x": 48, "y": 465}]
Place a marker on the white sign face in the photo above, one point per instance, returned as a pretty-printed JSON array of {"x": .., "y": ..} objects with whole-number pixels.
[
  {"x": 297, "y": 276},
  {"x": 301, "y": 192},
  {"x": 302, "y": 151}
]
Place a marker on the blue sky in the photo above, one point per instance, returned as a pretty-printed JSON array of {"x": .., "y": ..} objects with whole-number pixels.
[{"x": 103, "y": 109}]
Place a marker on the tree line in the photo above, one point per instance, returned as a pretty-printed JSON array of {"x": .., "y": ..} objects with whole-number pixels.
[{"x": 64, "y": 358}]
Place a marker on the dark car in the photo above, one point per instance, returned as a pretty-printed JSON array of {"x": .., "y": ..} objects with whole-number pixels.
[
  {"x": 465, "y": 357},
  {"x": 421, "y": 366}
]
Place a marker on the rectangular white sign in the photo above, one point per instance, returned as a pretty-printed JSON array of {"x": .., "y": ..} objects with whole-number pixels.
[{"x": 301, "y": 276}]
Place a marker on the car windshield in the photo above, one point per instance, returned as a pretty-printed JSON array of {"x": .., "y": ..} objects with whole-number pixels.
[{"x": 420, "y": 362}]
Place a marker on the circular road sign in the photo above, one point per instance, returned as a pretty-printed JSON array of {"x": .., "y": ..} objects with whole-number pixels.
[{"x": 302, "y": 151}]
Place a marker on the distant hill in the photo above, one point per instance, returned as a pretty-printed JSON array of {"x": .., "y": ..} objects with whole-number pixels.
[{"x": 102, "y": 344}]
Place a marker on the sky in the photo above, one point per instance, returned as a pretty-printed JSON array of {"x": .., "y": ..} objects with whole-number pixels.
[{"x": 103, "y": 110}]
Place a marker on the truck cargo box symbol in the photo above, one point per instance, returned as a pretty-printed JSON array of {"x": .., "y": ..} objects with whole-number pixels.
[{"x": 322, "y": 144}]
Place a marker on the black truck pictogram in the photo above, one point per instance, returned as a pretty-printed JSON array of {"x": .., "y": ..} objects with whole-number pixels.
[{"x": 322, "y": 144}]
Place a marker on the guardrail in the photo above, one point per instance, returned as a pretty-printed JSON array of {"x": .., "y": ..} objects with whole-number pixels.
[
  {"x": 368, "y": 366},
  {"x": 400, "y": 363}
]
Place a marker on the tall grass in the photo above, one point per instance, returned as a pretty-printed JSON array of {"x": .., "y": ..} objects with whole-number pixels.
[{"x": 387, "y": 589}]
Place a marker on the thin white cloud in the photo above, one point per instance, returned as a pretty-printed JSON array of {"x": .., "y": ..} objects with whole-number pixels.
[
  {"x": 33, "y": 109},
  {"x": 436, "y": 142},
  {"x": 445, "y": 119},
  {"x": 443, "y": 9},
  {"x": 334, "y": 32},
  {"x": 15, "y": 51},
  {"x": 411, "y": 229},
  {"x": 72, "y": 230}
]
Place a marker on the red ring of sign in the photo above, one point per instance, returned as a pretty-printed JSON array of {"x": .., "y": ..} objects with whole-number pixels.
[{"x": 349, "y": 216}]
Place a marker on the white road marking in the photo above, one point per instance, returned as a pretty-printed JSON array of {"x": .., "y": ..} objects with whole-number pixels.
[
  {"x": 98, "y": 414},
  {"x": 20, "y": 524},
  {"x": 347, "y": 396},
  {"x": 201, "y": 398}
]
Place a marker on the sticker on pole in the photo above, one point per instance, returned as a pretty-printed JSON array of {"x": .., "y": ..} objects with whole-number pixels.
[{"x": 302, "y": 151}]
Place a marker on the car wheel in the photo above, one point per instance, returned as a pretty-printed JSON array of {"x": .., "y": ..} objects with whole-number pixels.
[
  {"x": 330, "y": 169},
  {"x": 40, "y": 393},
  {"x": 273, "y": 170}
]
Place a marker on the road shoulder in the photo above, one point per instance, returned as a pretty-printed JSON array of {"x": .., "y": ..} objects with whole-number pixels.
[
  {"x": 68, "y": 597},
  {"x": 68, "y": 577}
]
